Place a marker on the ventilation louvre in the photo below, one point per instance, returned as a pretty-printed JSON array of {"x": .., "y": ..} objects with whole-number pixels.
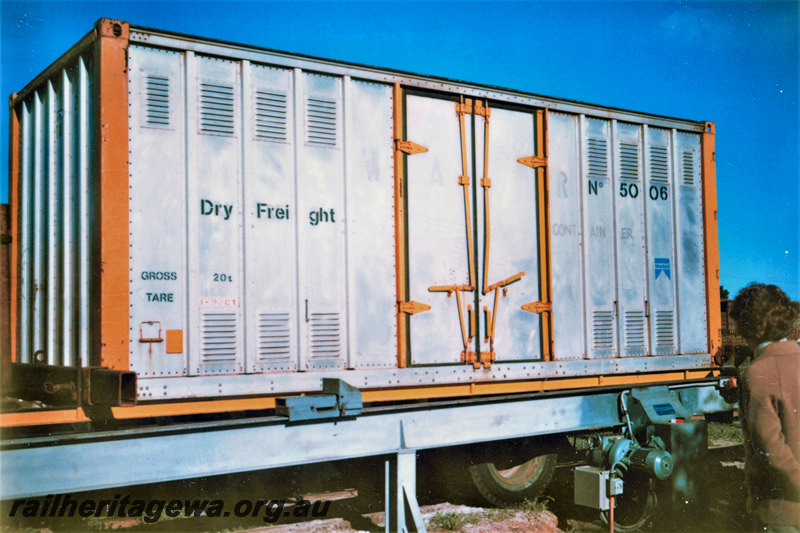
[
  {"x": 321, "y": 121},
  {"x": 274, "y": 336},
  {"x": 635, "y": 331},
  {"x": 602, "y": 330},
  {"x": 270, "y": 120},
  {"x": 325, "y": 335},
  {"x": 687, "y": 168},
  {"x": 157, "y": 101},
  {"x": 219, "y": 338},
  {"x": 598, "y": 158},
  {"x": 216, "y": 109},
  {"x": 629, "y": 161},
  {"x": 659, "y": 164},
  {"x": 665, "y": 331}
]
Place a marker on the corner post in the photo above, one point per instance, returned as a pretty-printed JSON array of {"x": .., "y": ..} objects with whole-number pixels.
[
  {"x": 10, "y": 250},
  {"x": 111, "y": 178},
  {"x": 711, "y": 237}
]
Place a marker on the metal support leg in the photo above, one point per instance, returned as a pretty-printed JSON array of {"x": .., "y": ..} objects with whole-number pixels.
[{"x": 402, "y": 510}]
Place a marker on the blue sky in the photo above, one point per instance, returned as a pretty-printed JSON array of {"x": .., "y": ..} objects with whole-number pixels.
[{"x": 734, "y": 63}]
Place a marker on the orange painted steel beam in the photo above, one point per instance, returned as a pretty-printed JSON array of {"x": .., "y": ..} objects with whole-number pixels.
[
  {"x": 399, "y": 226},
  {"x": 15, "y": 193},
  {"x": 42, "y": 417},
  {"x": 66, "y": 416},
  {"x": 45, "y": 417},
  {"x": 711, "y": 236},
  {"x": 493, "y": 388},
  {"x": 111, "y": 107},
  {"x": 190, "y": 408}
]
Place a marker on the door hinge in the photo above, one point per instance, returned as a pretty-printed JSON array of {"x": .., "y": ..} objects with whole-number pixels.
[
  {"x": 412, "y": 307},
  {"x": 537, "y": 307},
  {"x": 533, "y": 161},
  {"x": 409, "y": 147}
]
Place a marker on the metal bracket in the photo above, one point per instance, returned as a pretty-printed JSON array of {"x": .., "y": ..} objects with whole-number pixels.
[
  {"x": 533, "y": 161},
  {"x": 482, "y": 110},
  {"x": 465, "y": 107},
  {"x": 409, "y": 147},
  {"x": 487, "y": 358},
  {"x": 470, "y": 358},
  {"x": 338, "y": 399},
  {"x": 400, "y": 494},
  {"x": 71, "y": 385},
  {"x": 654, "y": 405},
  {"x": 412, "y": 307},
  {"x": 537, "y": 307},
  {"x": 484, "y": 359},
  {"x": 157, "y": 338}
]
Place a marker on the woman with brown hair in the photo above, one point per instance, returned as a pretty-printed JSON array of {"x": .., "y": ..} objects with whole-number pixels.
[{"x": 770, "y": 406}]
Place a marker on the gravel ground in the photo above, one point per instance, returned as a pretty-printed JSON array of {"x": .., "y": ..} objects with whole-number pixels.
[{"x": 439, "y": 518}]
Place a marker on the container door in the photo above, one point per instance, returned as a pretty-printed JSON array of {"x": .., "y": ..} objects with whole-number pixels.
[
  {"x": 507, "y": 228},
  {"x": 472, "y": 234},
  {"x": 439, "y": 220}
]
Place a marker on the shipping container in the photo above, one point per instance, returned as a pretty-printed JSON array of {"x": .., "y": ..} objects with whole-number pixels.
[
  {"x": 404, "y": 263},
  {"x": 225, "y": 220}
]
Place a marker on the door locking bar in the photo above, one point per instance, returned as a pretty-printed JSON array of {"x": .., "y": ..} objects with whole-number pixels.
[
  {"x": 464, "y": 108},
  {"x": 458, "y": 289},
  {"x": 486, "y": 184},
  {"x": 491, "y": 316}
]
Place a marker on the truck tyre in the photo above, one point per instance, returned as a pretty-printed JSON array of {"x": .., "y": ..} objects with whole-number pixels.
[{"x": 511, "y": 486}]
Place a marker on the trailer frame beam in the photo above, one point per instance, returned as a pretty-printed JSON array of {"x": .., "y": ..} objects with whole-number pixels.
[{"x": 76, "y": 462}]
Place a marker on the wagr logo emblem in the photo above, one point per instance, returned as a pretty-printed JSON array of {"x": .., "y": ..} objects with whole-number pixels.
[{"x": 662, "y": 266}]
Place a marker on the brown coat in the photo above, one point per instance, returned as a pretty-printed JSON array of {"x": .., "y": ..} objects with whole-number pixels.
[{"x": 770, "y": 404}]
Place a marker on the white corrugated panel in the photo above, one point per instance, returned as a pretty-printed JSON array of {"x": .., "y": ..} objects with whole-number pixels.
[{"x": 56, "y": 295}]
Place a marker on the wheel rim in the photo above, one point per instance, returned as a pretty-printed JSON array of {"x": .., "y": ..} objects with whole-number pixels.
[{"x": 521, "y": 474}]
